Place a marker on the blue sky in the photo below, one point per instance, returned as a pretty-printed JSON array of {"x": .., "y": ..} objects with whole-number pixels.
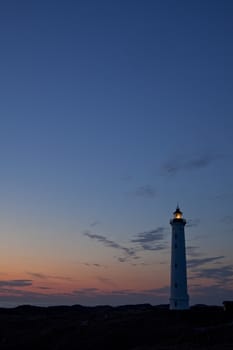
[{"x": 112, "y": 112}]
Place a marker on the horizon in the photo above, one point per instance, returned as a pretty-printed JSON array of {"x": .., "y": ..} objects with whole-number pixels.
[
  {"x": 165, "y": 305},
  {"x": 111, "y": 113}
]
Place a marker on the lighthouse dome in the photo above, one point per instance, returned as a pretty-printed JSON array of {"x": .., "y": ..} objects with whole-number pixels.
[{"x": 178, "y": 213}]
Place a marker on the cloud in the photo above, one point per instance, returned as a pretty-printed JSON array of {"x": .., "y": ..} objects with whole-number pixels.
[
  {"x": 126, "y": 258},
  {"x": 193, "y": 251},
  {"x": 37, "y": 275},
  {"x": 213, "y": 294},
  {"x": 63, "y": 278},
  {"x": 228, "y": 219},
  {"x": 151, "y": 240},
  {"x": 159, "y": 291},
  {"x": 121, "y": 259},
  {"x": 193, "y": 163},
  {"x": 127, "y": 178},
  {"x": 122, "y": 291},
  {"x": 192, "y": 223},
  {"x": 193, "y": 263},
  {"x": 16, "y": 283},
  {"x": 144, "y": 241},
  {"x": 106, "y": 281},
  {"x": 44, "y": 276},
  {"x": 129, "y": 252},
  {"x": 146, "y": 191},
  {"x": 84, "y": 296},
  {"x": 162, "y": 291},
  {"x": 93, "y": 264},
  {"x": 218, "y": 272},
  {"x": 141, "y": 264},
  {"x": 86, "y": 291},
  {"x": 95, "y": 223},
  {"x": 222, "y": 196},
  {"x": 221, "y": 274},
  {"x": 150, "y": 236},
  {"x": 154, "y": 247}
]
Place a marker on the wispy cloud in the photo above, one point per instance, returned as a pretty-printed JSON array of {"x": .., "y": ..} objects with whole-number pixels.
[
  {"x": 86, "y": 291},
  {"x": 38, "y": 275},
  {"x": 44, "y": 276},
  {"x": 193, "y": 251},
  {"x": 212, "y": 294},
  {"x": 122, "y": 259},
  {"x": 222, "y": 196},
  {"x": 93, "y": 264},
  {"x": 106, "y": 281},
  {"x": 158, "y": 291},
  {"x": 95, "y": 223},
  {"x": 192, "y": 223},
  {"x": 16, "y": 283},
  {"x": 127, "y": 178},
  {"x": 193, "y": 163},
  {"x": 146, "y": 191},
  {"x": 228, "y": 219},
  {"x": 151, "y": 240},
  {"x": 149, "y": 236},
  {"x": 122, "y": 291},
  {"x": 140, "y": 264},
  {"x": 221, "y": 274},
  {"x": 197, "y": 262},
  {"x": 127, "y": 258},
  {"x": 154, "y": 247},
  {"x": 128, "y": 252}
]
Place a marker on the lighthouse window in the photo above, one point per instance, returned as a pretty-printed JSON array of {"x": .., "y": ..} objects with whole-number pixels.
[
  {"x": 175, "y": 245},
  {"x": 175, "y": 236},
  {"x": 176, "y": 285},
  {"x": 176, "y": 265}
]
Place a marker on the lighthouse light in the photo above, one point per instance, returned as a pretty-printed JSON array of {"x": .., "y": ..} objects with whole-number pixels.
[{"x": 178, "y": 216}]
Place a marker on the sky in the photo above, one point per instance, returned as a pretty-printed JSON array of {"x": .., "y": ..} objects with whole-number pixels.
[{"x": 111, "y": 113}]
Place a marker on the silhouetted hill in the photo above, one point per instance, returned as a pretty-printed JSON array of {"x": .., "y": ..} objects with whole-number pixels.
[{"x": 135, "y": 327}]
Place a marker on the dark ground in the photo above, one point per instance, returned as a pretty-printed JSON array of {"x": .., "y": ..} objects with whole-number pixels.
[{"x": 136, "y": 327}]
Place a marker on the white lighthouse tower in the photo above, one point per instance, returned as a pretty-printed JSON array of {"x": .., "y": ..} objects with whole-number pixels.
[{"x": 179, "y": 299}]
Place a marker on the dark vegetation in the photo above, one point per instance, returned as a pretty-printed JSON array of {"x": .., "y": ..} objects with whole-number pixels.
[{"x": 136, "y": 327}]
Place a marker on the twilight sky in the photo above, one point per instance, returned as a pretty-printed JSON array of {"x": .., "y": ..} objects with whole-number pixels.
[{"x": 111, "y": 112}]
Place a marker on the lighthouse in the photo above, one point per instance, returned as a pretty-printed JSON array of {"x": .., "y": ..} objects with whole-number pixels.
[{"x": 179, "y": 299}]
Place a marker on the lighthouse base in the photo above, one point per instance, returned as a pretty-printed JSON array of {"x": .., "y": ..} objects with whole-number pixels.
[{"x": 179, "y": 304}]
